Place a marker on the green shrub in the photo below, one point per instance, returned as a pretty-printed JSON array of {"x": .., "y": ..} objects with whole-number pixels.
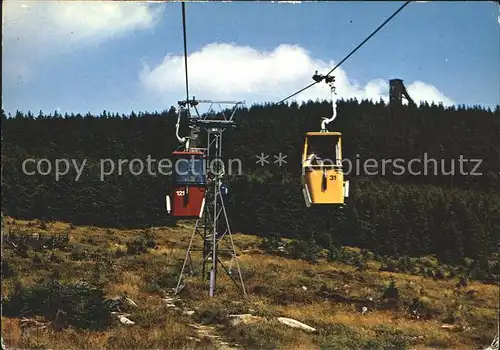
[
  {"x": 462, "y": 281},
  {"x": 361, "y": 265},
  {"x": 495, "y": 267},
  {"x": 305, "y": 250},
  {"x": 450, "y": 318},
  {"x": 427, "y": 262},
  {"x": 263, "y": 335},
  {"x": 426, "y": 302},
  {"x": 7, "y": 269},
  {"x": 39, "y": 261},
  {"x": 164, "y": 280},
  {"x": 387, "y": 338},
  {"x": 405, "y": 264},
  {"x": 391, "y": 292},
  {"x": 119, "y": 253},
  {"x": 340, "y": 336},
  {"x": 84, "y": 304},
  {"x": 368, "y": 255},
  {"x": 22, "y": 249},
  {"x": 451, "y": 273},
  {"x": 350, "y": 257},
  {"x": 378, "y": 257},
  {"x": 212, "y": 315},
  {"x": 491, "y": 271},
  {"x": 389, "y": 266},
  {"x": 478, "y": 274},
  {"x": 270, "y": 243},
  {"x": 56, "y": 273},
  {"x": 43, "y": 224},
  {"x": 334, "y": 254},
  {"x": 142, "y": 243},
  {"x": 439, "y": 274},
  {"x": 90, "y": 240},
  {"x": 79, "y": 253},
  {"x": 467, "y": 262},
  {"x": 56, "y": 258}
]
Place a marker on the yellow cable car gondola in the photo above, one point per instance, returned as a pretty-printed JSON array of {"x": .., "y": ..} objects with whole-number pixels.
[{"x": 322, "y": 172}]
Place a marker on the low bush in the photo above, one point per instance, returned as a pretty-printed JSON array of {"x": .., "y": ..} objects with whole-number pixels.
[
  {"x": 142, "y": 243},
  {"x": 84, "y": 304},
  {"x": 389, "y": 266},
  {"x": 391, "y": 291},
  {"x": 271, "y": 243},
  {"x": 8, "y": 269},
  {"x": 78, "y": 253},
  {"x": 305, "y": 250}
]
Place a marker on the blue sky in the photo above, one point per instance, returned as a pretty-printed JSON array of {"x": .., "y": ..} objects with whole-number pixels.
[{"x": 128, "y": 56}]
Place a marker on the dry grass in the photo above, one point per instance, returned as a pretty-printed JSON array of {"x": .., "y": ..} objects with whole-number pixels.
[
  {"x": 171, "y": 334},
  {"x": 275, "y": 286}
]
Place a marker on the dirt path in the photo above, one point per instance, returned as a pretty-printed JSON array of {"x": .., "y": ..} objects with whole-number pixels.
[
  {"x": 203, "y": 332},
  {"x": 211, "y": 332}
]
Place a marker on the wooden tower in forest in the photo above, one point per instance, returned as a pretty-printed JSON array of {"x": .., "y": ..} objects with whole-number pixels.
[{"x": 397, "y": 91}]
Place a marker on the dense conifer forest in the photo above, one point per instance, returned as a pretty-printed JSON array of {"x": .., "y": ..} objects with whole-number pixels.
[{"x": 451, "y": 216}]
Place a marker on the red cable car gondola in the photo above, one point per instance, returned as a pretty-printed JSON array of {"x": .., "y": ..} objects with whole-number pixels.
[{"x": 189, "y": 185}]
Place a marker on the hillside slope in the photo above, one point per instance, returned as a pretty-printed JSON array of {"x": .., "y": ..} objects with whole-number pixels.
[{"x": 144, "y": 265}]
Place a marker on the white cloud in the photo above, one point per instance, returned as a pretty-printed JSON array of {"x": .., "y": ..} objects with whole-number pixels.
[
  {"x": 33, "y": 31},
  {"x": 421, "y": 91},
  {"x": 230, "y": 72}
]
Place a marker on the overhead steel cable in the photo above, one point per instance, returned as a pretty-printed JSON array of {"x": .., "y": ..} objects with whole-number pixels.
[
  {"x": 185, "y": 48},
  {"x": 352, "y": 52}
]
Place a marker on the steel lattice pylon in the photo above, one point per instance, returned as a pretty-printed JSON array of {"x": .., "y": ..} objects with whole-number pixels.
[{"x": 213, "y": 227}]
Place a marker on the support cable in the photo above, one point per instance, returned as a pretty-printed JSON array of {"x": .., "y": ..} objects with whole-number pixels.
[{"x": 351, "y": 53}]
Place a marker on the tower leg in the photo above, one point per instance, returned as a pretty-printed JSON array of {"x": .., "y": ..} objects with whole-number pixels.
[
  {"x": 233, "y": 246},
  {"x": 188, "y": 257}
]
